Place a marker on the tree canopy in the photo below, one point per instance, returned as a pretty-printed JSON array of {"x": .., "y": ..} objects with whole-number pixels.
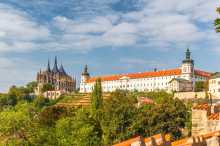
[{"x": 105, "y": 122}]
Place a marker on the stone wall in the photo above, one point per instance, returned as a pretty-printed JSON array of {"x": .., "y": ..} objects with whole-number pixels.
[
  {"x": 199, "y": 121},
  {"x": 189, "y": 95}
]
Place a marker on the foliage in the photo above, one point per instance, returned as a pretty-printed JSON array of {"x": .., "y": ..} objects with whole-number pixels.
[
  {"x": 79, "y": 130},
  {"x": 47, "y": 87},
  {"x": 201, "y": 86},
  {"x": 217, "y": 22},
  {"x": 6, "y": 100},
  {"x": 168, "y": 117},
  {"x": 119, "y": 113},
  {"x": 31, "y": 86},
  {"x": 15, "y": 120},
  {"x": 40, "y": 122},
  {"x": 41, "y": 101},
  {"x": 51, "y": 114},
  {"x": 96, "y": 98}
]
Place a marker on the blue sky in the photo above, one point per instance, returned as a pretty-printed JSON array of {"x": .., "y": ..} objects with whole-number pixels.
[{"x": 111, "y": 36}]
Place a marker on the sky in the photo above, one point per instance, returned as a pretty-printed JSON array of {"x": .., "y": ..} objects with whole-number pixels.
[{"x": 111, "y": 36}]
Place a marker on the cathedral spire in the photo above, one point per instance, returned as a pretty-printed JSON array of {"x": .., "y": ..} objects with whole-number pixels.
[
  {"x": 61, "y": 69},
  {"x": 55, "y": 68},
  {"x": 48, "y": 66}
]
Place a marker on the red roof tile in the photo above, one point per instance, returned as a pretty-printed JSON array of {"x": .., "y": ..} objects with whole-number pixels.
[
  {"x": 202, "y": 73},
  {"x": 201, "y": 107},
  {"x": 214, "y": 116},
  {"x": 138, "y": 75},
  {"x": 128, "y": 142}
]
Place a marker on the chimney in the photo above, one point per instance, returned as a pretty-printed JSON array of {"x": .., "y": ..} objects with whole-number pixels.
[{"x": 155, "y": 69}]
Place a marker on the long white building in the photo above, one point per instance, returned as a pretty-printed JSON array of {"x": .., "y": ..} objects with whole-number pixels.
[{"x": 146, "y": 81}]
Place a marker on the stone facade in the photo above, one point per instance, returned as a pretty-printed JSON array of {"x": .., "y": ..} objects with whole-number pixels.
[
  {"x": 180, "y": 85},
  {"x": 56, "y": 77},
  {"x": 189, "y": 95},
  {"x": 205, "y": 118},
  {"x": 214, "y": 85}
]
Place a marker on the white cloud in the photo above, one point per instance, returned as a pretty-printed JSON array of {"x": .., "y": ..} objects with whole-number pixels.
[
  {"x": 18, "y": 31},
  {"x": 141, "y": 63},
  {"x": 13, "y": 71},
  {"x": 159, "y": 24},
  {"x": 156, "y": 25}
]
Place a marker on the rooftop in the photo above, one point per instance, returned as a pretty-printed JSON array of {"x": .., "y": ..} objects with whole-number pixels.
[
  {"x": 204, "y": 106},
  {"x": 160, "y": 73}
]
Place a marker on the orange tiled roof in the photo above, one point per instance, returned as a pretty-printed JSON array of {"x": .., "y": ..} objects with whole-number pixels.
[
  {"x": 158, "y": 139},
  {"x": 214, "y": 116},
  {"x": 138, "y": 75},
  {"x": 128, "y": 142},
  {"x": 186, "y": 142},
  {"x": 181, "y": 142},
  {"x": 201, "y": 107},
  {"x": 202, "y": 73}
]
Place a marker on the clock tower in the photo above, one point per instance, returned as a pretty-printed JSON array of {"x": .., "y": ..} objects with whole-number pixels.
[{"x": 187, "y": 67}]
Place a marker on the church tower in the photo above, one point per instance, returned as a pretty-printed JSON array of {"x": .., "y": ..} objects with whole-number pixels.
[
  {"x": 188, "y": 66},
  {"x": 84, "y": 77}
]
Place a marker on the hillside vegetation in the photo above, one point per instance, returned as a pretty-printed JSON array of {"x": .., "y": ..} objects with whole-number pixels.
[{"x": 94, "y": 119}]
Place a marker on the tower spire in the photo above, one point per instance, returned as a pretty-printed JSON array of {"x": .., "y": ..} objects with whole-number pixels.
[
  {"x": 55, "y": 67},
  {"x": 61, "y": 69},
  {"x": 48, "y": 66},
  {"x": 188, "y": 58},
  {"x": 85, "y": 71},
  {"x": 188, "y": 53}
]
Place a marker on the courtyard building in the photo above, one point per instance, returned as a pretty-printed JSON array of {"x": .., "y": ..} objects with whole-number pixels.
[{"x": 185, "y": 77}]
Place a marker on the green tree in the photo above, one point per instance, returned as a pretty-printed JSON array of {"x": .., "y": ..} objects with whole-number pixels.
[
  {"x": 200, "y": 86},
  {"x": 79, "y": 130},
  {"x": 47, "y": 87},
  {"x": 96, "y": 98},
  {"x": 169, "y": 116},
  {"x": 6, "y": 100},
  {"x": 31, "y": 86},
  {"x": 119, "y": 113},
  {"x": 41, "y": 101},
  {"x": 217, "y": 22},
  {"x": 15, "y": 122}
]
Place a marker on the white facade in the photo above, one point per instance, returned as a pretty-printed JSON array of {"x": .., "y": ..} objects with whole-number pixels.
[
  {"x": 180, "y": 85},
  {"x": 145, "y": 81},
  {"x": 214, "y": 85},
  {"x": 53, "y": 94}
]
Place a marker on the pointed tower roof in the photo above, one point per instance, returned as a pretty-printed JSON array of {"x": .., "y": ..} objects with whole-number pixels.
[
  {"x": 55, "y": 67},
  {"x": 188, "y": 57},
  {"x": 85, "y": 72},
  {"x": 48, "y": 66},
  {"x": 61, "y": 70}
]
